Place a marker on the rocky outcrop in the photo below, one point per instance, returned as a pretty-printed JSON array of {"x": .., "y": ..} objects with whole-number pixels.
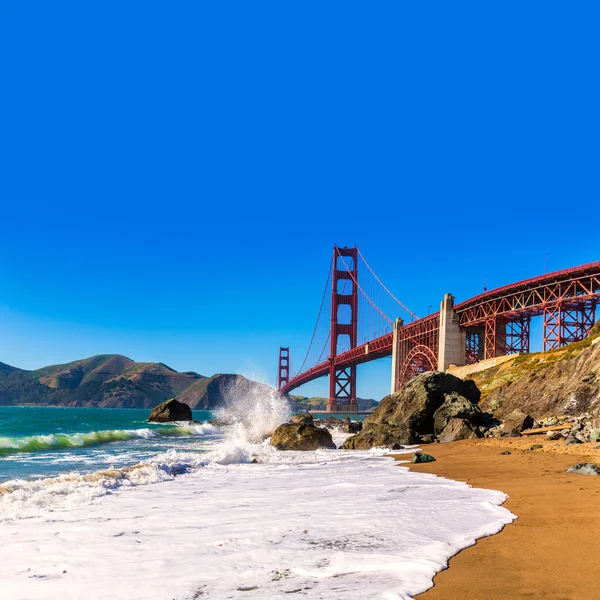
[
  {"x": 455, "y": 406},
  {"x": 301, "y": 436},
  {"x": 561, "y": 382},
  {"x": 423, "y": 408},
  {"x": 171, "y": 410},
  {"x": 458, "y": 429}
]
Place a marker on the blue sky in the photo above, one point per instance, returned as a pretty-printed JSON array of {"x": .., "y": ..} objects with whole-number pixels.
[{"x": 174, "y": 175}]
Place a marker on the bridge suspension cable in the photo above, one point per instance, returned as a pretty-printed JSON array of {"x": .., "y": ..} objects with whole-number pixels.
[
  {"x": 363, "y": 292},
  {"x": 410, "y": 312},
  {"x": 312, "y": 338}
]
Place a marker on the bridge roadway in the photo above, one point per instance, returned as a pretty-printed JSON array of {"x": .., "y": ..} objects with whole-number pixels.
[{"x": 545, "y": 294}]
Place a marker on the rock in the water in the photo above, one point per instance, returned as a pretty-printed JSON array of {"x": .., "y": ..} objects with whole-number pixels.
[
  {"x": 584, "y": 469},
  {"x": 455, "y": 406},
  {"x": 348, "y": 426},
  {"x": 304, "y": 419},
  {"x": 518, "y": 421},
  {"x": 376, "y": 435},
  {"x": 421, "y": 457},
  {"x": 458, "y": 429},
  {"x": 301, "y": 436},
  {"x": 171, "y": 410}
]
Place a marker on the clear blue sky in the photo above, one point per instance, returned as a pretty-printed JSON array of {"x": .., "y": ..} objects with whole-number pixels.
[{"x": 174, "y": 175}]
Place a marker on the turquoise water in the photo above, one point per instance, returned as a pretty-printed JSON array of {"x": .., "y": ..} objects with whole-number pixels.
[{"x": 39, "y": 442}]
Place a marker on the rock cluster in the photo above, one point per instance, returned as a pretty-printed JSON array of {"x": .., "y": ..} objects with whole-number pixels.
[
  {"x": 432, "y": 407},
  {"x": 574, "y": 429}
]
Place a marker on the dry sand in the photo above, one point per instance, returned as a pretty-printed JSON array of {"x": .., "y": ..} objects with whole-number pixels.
[{"x": 552, "y": 551}]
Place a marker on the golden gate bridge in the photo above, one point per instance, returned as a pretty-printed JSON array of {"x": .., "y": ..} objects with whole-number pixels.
[{"x": 367, "y": 322}]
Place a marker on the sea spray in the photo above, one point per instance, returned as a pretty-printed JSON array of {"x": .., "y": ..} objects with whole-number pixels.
[{"x": 253, "y": 414}]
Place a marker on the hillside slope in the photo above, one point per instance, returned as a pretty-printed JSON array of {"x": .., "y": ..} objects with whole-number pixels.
[
  {"x": 563, "y": 381},
  {"x": 115, "y": 381}
]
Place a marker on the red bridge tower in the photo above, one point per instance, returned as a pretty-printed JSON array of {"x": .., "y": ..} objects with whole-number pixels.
[{"x": 344, "y": 293}]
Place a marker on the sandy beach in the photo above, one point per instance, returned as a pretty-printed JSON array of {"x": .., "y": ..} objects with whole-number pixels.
[{"x": 552, "y": 550}]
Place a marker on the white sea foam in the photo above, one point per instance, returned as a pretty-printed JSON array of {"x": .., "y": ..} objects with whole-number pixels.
[
  {"x": 243, "y": 521},
  {"x": 333, "y": 524}
]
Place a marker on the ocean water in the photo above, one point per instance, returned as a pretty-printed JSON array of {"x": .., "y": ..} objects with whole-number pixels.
[
  {"x": 178, "y": 512},
  {"x": 38, "y": 442}
]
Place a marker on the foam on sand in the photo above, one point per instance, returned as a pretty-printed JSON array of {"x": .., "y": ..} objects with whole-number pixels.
[
  {"x": 240, "y": 520},
  {"x": 332, "y": 524}
]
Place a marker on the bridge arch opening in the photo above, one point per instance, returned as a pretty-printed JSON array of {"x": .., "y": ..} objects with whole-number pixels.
[{"x": 419, "y": 360}]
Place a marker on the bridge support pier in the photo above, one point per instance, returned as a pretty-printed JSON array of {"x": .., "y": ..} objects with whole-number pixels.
[
  {"x": 397, "y": 358},
  {"x": 452, "y": 339}
]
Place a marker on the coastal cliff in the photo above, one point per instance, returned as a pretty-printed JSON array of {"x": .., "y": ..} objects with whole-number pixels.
[{"x": 564, "y": 381}]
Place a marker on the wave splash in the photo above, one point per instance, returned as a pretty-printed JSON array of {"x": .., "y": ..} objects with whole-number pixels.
[
  {"x": 56, "y": 441},
  {"x": 250, "y": 418}
]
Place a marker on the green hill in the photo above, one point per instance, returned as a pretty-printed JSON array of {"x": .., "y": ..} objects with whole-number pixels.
[
  {"x": 316, "y": 404},
  {"x": 110, "y": 381}
]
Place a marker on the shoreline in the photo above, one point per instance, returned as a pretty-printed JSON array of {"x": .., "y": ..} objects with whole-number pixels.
[{"x": 551, "y": 550}]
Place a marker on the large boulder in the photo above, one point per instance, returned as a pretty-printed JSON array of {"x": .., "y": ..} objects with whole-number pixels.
[
  {"x": 171, "y": 410},
  {"x": 301, "y": 436},
  {"x": 422, "y": 409},
  {"x": 376, "y": 435},
  {"x": 518, "y": 421},
  {"x": 455, "y": 406},
  {"x": 458, "y": 429},
  {"x": 414, "y": 405}
]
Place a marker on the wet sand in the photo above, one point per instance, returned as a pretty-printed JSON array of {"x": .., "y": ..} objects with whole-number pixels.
[{"x": 552, "y": 551}]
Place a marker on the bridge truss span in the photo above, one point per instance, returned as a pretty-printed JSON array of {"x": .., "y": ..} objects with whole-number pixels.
[
  {"x": 495, "y": 323},
  {"x": 566, "y": 299}
]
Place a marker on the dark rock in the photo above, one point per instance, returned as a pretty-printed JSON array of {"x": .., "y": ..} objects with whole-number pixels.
[
  {"x": 455, "y": 406},
  {"x": 536, "y": 447},
  {"x": 414, "y": 405},
  {"x": 171, "y": 410},
  {"x": 421, "y": 457},
  {"x": 571, "y": 440},
  {"x": 518, "y": 421},
  {"x": 381, "y": 436},
  {"x": 458, "y": 429},
  {"x": 554, "y": 435},
  {"x": 584, "y": 469},
  {"x": 304, "y": 419},
  {"x": 300, "y": 436},
  {"x": 506, "y": 452},
  {"x": 428, "y": 438},
  {"x": 349, "y": 426}
]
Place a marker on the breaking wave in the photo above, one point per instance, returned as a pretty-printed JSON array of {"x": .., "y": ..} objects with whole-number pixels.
[{"x": 57, "y": 441}]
